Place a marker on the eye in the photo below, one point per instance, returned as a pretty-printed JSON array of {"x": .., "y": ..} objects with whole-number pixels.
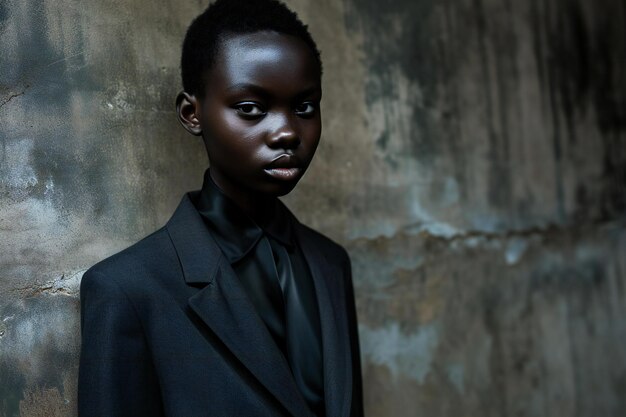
[
  {"x": 249, "y": 110},
  {"x": 306, "y": 109}
]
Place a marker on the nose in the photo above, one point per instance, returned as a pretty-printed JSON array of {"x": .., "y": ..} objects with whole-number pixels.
[{"x": 284, "y": 133}]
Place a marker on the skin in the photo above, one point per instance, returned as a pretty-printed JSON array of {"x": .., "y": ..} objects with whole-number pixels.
[{"x": 259, "y": 117}]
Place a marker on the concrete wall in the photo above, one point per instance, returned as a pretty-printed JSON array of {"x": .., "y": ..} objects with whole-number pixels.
[{"x": 473, "y": 163}]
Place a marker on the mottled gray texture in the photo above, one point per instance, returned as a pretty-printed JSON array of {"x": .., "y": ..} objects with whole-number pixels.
[{"x": 473, "y": 162}]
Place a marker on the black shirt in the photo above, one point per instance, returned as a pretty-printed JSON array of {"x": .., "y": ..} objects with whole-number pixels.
[{"x": 272, "y": 269}]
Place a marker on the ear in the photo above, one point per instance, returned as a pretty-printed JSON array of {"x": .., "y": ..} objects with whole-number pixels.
[{"x": 188, "y": 111}]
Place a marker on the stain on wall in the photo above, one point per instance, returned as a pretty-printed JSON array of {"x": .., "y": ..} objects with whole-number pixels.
[
  {"x": 491, "y": 279},
  {"x": 473, "y": 162}
]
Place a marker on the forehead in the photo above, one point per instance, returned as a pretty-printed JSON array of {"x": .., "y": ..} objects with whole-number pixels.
[{"x": 264, "y": 58}]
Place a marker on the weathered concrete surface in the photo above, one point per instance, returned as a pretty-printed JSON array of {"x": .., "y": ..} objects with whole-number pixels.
[
  {"x": 91, "y": 159},
  {"x": 473, "y": 163},
  {"x": 524, "y": 325}
]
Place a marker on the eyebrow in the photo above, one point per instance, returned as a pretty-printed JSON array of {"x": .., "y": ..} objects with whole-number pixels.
[{"x": 263, "y": 92}]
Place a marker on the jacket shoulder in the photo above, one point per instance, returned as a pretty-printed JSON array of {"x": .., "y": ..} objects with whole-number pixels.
[
  {"x": 141, "y": 252},
  {"x": 134, "y": 262},
  {"x": 326, "y": 245}
]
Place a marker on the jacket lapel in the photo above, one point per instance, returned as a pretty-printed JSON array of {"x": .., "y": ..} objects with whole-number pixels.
[
  {"x": 328, "y": 281},
  {"x": 223, "y": 305}
]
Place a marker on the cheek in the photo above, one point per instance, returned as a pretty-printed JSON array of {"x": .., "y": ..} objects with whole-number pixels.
[
  {"x": 312, "y": 134},
  {"x": 227, "y": 126},
  {"x": 228, "y": 136}
]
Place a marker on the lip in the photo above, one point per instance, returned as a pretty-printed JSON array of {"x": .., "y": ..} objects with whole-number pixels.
[
  {"x": 285, "y": 174},
  {"x": 284, "y": 167},
  {"x": 284, "y": 161}
]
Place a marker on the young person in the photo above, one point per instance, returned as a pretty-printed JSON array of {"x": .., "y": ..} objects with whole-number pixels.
[{"x": 233, "y": 308}]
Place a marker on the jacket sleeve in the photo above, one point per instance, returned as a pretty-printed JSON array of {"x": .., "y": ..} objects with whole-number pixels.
[
  {"x": 116, "y": 375},
  {"x": 357, "y": 383}
]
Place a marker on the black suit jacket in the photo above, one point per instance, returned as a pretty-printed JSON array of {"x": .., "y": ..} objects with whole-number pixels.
[{"x": 167, "y": 330}]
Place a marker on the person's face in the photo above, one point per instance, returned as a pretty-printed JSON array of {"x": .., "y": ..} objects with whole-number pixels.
[{"x": 260, "y": 115}]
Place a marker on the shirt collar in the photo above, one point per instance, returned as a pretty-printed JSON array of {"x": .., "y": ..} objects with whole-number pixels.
[{"x": 234, "y": 231}]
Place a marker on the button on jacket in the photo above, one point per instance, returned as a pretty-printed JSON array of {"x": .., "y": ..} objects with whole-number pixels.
[{"x": 168, "y": 330}]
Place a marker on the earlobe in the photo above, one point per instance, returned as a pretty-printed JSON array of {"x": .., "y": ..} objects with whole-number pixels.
[{"x": 187, "y": 110}]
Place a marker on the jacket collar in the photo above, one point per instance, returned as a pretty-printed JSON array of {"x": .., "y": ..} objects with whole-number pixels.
[
  {"x": 234, "y": 231},
  {"x": 197, "y": 251},
  {"x": 224, "y": 306},
  {"x": 328, "y": 280}
]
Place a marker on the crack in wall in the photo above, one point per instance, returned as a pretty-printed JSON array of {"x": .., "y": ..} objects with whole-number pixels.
[
  {"x": 67, "y": 284},
  {"x": 547, "y": 230},
  {"x": 12, "y": 96}
]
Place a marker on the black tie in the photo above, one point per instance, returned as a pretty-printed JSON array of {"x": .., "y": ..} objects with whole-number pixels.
[
  {"x": 265, "y": 290},
  {"x": 283, "y": 310},
  {"x": 300, "y": 329}
]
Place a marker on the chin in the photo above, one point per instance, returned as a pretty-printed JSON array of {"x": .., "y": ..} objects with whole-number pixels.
[{"x": 280, "y": 189}]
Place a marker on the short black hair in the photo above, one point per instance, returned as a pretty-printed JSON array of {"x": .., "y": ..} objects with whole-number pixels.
[{"x": 226, "y": 17}]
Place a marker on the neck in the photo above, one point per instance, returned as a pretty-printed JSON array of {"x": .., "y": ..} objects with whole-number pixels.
[{"x": 258, "y": 207}]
